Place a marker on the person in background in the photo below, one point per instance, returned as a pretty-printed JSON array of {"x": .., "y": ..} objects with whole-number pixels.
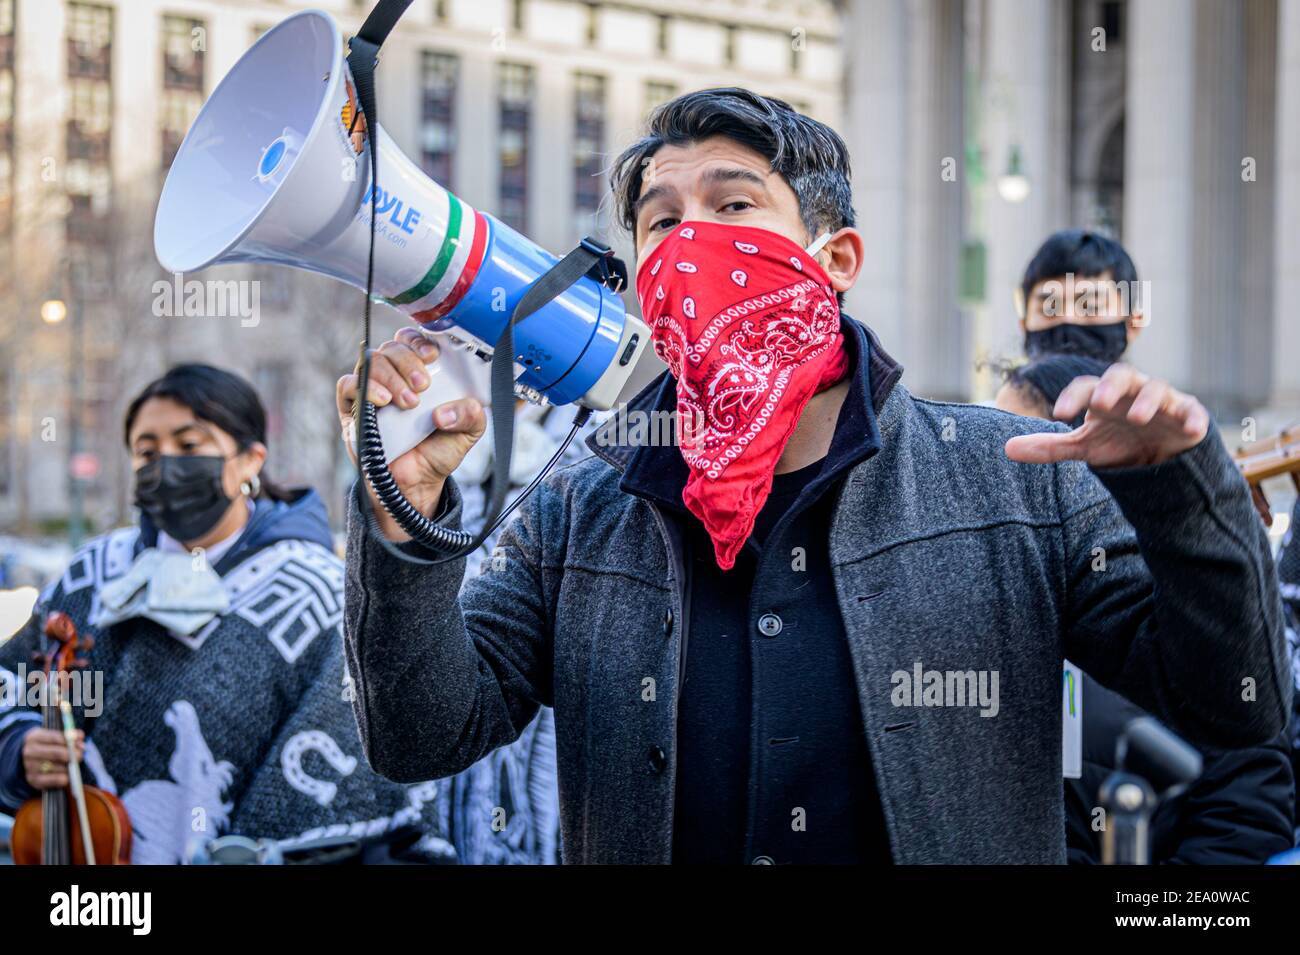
[
  {"x": 223, "y": 707},
  {"x": 1079, "y": 295},
  {"x": 1031, "y": 389},
  {"x": 1242, "y": 808}
]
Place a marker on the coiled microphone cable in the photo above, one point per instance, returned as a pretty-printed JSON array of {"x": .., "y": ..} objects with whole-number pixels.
[
  {"x": 436, "y": 537},
  {"x": 588, "y": 257}
]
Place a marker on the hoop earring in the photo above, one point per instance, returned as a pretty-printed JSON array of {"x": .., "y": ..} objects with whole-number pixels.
[{"x": 252, "y": 487}]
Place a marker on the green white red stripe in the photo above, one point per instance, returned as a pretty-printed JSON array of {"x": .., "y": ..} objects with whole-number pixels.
[
  {"x": 461, "y": 249},
  {"x": 475, "y": 250}
]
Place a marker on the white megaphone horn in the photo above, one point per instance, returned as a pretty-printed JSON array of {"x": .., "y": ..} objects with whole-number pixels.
[{"x": 276, "y": 169}]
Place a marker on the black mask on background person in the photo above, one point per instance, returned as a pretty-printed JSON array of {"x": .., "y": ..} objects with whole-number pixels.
[
  {"x": 1103, "y": 342},
  {"x": 182, "y": 494}
]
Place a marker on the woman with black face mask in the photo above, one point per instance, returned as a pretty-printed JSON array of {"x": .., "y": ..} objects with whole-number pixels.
[{"x": 216, "y": 700}]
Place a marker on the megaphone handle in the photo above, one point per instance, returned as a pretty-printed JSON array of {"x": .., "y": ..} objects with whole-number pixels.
[
  {"x": 453, "y": 544},
  {"x": 401, "y": 429}
]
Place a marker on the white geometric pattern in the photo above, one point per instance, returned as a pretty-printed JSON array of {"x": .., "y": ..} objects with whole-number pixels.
[{"x": 289, "y": 590}]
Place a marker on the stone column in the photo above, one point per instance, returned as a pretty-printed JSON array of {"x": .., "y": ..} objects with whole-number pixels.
[
  {"x": 1214, "y": 269},
  {"x": 903, "y": 63},
  {"x": 1025, "y": 106},
  {"x": 1158, "y": 187},
  {"x": 1286, "y": 262},
  {"x": 875, "y": 109},
  {"x": 477, "y": 117},
  {"x": 550, "y": 174},
  {"x": 935, "y": 333},
  {"x": 1254, "y": 318}
]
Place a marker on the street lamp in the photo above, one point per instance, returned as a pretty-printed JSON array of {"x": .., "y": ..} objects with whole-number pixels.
[
  {"x": 1013, "y": 185},
  {"x": 53, "y": 311}
]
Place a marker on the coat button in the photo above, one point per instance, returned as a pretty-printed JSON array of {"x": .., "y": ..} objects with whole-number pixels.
[
  {"x": 658, "y": 759},
  {"x": 668, "y": 622},
  {"x": 769, "y": 625}
]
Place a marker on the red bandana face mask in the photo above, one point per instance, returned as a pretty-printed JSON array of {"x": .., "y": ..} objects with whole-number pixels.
[{"x": 748, "y": 324}]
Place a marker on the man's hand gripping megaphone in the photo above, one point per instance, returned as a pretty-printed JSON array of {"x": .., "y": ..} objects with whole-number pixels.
[{"x": 400, "y": 370}]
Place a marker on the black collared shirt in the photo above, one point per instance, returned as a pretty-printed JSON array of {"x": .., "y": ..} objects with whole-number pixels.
[
  {"x": 740, "y": 796},
  {"x": 772, "y": 763}
]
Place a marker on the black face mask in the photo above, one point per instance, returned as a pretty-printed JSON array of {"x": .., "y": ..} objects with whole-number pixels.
[
  {"x": 1103, "y": 342},
  {"x": 182, "y": 494}
]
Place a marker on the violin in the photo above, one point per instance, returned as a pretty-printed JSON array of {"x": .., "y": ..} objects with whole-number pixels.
[
  {"x": 1269, "y": 458},
  {"x": 78, "y": 824}
]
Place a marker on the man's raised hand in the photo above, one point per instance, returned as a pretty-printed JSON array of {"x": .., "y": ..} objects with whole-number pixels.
[{"x": 1132, "y": 420}]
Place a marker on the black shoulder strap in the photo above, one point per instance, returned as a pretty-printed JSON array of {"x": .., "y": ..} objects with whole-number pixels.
[
  {"x": 589, "y": 257},
  {"x": 381, "y": 20}
]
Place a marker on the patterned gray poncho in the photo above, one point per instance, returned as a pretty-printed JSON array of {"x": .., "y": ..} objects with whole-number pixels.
[{"x": 245, "y": 726}]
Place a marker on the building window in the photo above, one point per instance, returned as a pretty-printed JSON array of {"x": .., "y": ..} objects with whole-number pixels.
[
  {"x": 184, "y": 42},
  {"x": 90, "y": 41},
  {"x": 588, "y": 148},
  {"x": 515, "y": 99},
  {"x": 6, "y": 114},
  {"x": 438, "y": 116},
  {"x": 88, "y": 134},
  {"x": 658, "y": 92},
  {"x": 183, "y": 46}
]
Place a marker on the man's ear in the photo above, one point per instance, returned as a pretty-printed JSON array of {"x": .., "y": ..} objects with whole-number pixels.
[{"x": 841, "y": 257}]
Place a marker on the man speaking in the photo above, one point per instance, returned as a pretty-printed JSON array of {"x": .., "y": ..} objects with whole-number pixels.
[{"x": 828, "y": 624}]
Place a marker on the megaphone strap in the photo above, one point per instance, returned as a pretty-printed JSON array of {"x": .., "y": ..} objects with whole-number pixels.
[
  {"x": 371, "y": 462},
  {"x": 381, "y": 20}
]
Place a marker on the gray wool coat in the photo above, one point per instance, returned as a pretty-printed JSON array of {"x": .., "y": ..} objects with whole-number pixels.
[{"x": 1157, "y": 581}]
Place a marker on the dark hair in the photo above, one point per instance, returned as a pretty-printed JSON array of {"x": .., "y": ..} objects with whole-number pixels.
[
  {"x": 219, "y": 397},
  {"x": 808, "y": 155},
  {"x": 1048, "y": 376},
  {"x": 1085, "y": 254}
]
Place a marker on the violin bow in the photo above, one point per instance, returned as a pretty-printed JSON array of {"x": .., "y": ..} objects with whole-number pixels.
[{"x": 74, "y": 779}]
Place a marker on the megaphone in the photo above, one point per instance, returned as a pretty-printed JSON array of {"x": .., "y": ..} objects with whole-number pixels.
[{"x": 276, "y": 169}]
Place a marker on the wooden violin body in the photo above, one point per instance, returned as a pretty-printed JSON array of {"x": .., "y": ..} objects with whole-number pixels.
[
  {"x": 78, "y": 824},
  {"x": 1269, "y": 458},
  {"x": 110, "y": 830}
]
